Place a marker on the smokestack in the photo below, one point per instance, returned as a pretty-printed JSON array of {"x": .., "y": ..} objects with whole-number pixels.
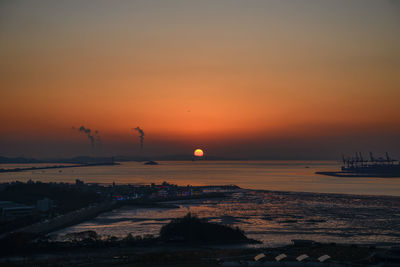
[
  {"x": 141, "y": 135},
  {"x": 98, "y": 139}
]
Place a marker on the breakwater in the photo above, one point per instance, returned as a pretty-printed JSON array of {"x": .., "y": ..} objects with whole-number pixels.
[{"x": 68, "y": 219}]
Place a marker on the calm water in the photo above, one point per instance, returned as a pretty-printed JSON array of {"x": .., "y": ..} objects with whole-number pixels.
[{"x": 268, "y": 175}]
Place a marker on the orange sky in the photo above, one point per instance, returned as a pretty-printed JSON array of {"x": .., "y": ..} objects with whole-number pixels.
[{"x": 218, "y": 75}]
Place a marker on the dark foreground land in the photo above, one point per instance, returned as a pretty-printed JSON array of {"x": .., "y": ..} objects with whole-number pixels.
[{"x": 184, "y": 255}]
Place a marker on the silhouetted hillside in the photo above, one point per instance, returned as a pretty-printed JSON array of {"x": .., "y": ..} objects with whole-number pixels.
[{"x": 191, "y": 229}]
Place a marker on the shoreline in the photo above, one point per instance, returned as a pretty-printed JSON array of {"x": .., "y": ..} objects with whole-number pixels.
[
  {"x": 88, "y": 213},
  {"x": 360, "y": 175},
  {"x": 333, "y": 237},
  {"x": 263, "y": 178},
  {"x": 117, "y": 253}
]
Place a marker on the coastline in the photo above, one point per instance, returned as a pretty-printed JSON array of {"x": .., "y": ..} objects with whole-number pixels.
[
  {"x": 360, "y": 175},
  {"x": 88, "y": 213},
  {"x": 342, "y": 253},
  {"x": 272, "y": 217},
  {"x": 276, "y": 176}
]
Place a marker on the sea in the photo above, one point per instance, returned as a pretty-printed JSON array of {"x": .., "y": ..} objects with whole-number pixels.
[
  {"x": 295, "y": 176},
  {"x": 279, "y": 200}
]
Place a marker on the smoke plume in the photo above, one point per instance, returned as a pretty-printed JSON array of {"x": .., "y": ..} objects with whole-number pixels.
[
  {"x": 141, "y": 135},
  {"x": 92, "y": 135}
]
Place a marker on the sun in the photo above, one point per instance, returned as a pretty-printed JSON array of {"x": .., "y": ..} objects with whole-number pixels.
[{"x": 198, "y": 152}]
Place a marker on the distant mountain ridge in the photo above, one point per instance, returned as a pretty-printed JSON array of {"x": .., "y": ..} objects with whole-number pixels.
[
  {"x": 122, "y": 158},
  {"x": 19, "y": 160},
  {"x": 80, "y": 159}
]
